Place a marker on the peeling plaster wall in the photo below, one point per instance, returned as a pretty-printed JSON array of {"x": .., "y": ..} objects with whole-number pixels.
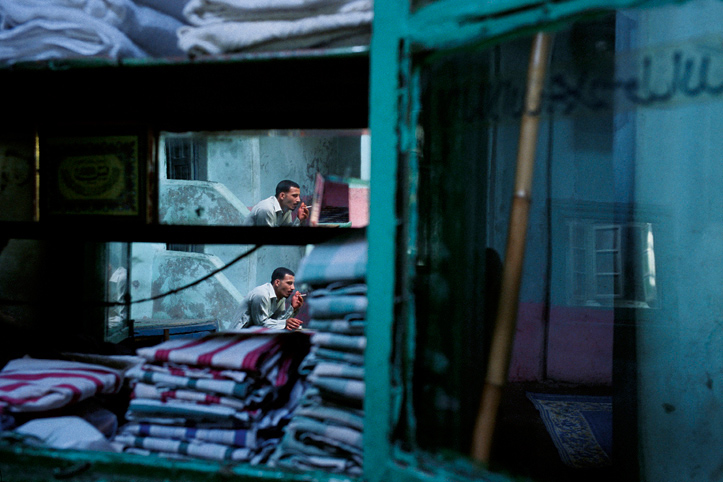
[
  {"x": 199, "y": 202},
  {"x": 142, "y": 257},
  {"x": 680, "y": 347},
  {"x": 215, "y": 298}
]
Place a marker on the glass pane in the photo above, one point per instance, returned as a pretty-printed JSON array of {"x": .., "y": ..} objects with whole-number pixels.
[
  {"x": 627, "y": 158},
  {"x": 158, "y": 270},
  {"x": 605, "y": 263},
  {"x": 117, "y": 285},
  {"x": 606, "y": 238},
  {"x": 606, "y": 286},
  {"x": 217, "y": 178},
  {"x": 579, "y": 259}
]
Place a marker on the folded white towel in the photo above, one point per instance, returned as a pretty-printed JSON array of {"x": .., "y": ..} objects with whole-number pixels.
[
  {"x": 321, "y": 31},
  {"x": 18, "y": 12},
  {"x": 66, "y": 433},
  {"x": 50, "y": 29},
  {"x": 204, "y": 12}
]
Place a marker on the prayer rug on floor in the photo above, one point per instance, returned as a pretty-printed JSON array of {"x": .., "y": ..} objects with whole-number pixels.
[{"x": 580, "y": 427}]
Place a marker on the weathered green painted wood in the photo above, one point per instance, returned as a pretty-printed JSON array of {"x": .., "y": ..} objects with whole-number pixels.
[
  {"x": 451, "y": 23},
  {"x": 381, "y": 238},
  {"x": 20, "y": 463}
]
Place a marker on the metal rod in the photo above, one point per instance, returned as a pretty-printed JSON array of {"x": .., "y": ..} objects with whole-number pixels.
[{"x": 505, "y": 320}]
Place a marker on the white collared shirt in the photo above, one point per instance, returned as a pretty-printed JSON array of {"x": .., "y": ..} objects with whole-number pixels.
[
  {"x": 268, "y": 212},
  {"x": 261, "y": 307}
]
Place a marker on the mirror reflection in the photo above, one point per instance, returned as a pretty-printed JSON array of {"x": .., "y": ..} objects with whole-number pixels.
[{"x": 264, "y": 178}]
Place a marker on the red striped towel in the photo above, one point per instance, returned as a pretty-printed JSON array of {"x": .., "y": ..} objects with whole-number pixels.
[{"x": 35, "y": 385}]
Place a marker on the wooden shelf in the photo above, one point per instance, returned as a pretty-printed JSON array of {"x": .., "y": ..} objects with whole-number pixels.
[
  {"x": 108, "y": 231},
  {"x": 302, "y": 90}
]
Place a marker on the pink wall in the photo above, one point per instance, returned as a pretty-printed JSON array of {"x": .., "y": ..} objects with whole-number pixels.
[
  {"x": 527, "y": 352},
  {"x": 579, "y": 345},
  {"x": 359, "y": 206}
]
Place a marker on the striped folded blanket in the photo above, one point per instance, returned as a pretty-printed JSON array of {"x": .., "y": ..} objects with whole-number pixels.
[
  {"x": 341, "y": 260},
  {"x": 336, "y": 306},
  {"x": 196, "y": 372},
  {"x": 153, "y": 392},
  {"x": 36, "y": 385},
  {"x": 231, "y": 437},
  {"x": 256, "y": 351},
  {"x": 203, "y": 450},
  {"x": 147, "y": 409},
  {"x": 351, "y": 324},
  {"x": 339, "y": 370},
  {"x": 302, "y": 461},
  {"x": 331, "y": 414},
  {"x": 334, "y": 341},
  {"x": 150, "y": 374},
  {"x": 305, "y": 437}
]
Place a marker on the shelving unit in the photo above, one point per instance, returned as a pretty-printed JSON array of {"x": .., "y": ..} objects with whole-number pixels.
[
  {"x": 301, "y": 90},
  {"x": 379, "y": 88},
  {"x": 286, "y": 91}
]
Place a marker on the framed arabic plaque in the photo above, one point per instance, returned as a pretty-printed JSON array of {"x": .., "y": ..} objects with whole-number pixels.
[{"x": 94, "y": 175}]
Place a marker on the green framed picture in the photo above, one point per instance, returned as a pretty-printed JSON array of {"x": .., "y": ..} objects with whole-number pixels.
[{"x": 93, "y": 175}]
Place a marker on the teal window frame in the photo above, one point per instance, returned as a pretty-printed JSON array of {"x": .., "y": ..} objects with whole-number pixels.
[{"x": 400, "y": 37}]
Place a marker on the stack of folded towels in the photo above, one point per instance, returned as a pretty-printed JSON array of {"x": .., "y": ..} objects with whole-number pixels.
[
  {"x": 226, "y": 26},
  {"x": 325, "y": 430},
  {"x": 226, "y": 396},
  {"x": 38, "y": 386},
  {"x": 38, "y": 30},
  {"x": 66, "y": 403}
]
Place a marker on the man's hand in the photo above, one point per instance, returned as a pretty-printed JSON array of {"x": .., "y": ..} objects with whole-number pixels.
[
  {"x": 293, "y": 324},
  {"x": 297, "y": 300},
  {"x": 303, "y": 212}
]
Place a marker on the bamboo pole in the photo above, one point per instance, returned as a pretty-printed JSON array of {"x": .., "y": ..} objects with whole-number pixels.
[{"x": 506, "y": 317}]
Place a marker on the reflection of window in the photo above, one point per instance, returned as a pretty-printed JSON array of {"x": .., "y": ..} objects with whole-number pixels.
[
  {"x": 185, "y": 158},
  {"x": 117, "y": 266},
  {"x": 612, "y": 264}
]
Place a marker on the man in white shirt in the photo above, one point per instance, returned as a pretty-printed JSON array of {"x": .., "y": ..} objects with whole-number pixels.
[
  {"x": 276, "y": 210},
  {"x": 265, "y": 305}
]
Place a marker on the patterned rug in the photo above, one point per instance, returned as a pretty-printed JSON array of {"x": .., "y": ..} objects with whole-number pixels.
[{"x": 580, "y": 427}]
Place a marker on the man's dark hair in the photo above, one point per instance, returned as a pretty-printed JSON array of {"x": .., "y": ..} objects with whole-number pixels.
[
  {"x": 285, "y": 186},
  {"x": 280, "y": 273}
]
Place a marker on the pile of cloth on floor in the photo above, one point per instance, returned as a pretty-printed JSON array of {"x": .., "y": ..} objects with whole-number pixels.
[
  {"x": 226, "y": 26},
  {"x": 226, "y": 396},
  {"x": 325, "y": 430},
  {"x": 37, "y": 30},
  {"x": 64, "y": 403}
]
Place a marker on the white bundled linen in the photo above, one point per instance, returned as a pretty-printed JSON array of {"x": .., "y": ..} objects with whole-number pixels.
[
  {"x": 205, "y": 12},
  {"x": 67, "y": 36},
  {"x": 223, "y": 26},
  {"x": 52, "y": 29},
  {"x": 66, "y": 433}
]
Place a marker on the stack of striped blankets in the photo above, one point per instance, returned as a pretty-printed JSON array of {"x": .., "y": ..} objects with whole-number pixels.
[
  {"x": 36, "y": 387},
  {"x": 226, "y": 396},
  {"x": 325, "y": 430}
]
